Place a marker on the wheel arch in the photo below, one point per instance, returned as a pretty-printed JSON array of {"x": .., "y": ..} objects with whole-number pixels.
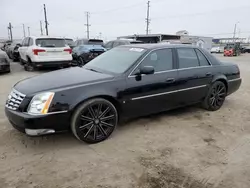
[
  {"x": 109, "y": 98},
  {"x": 221, "y": 78}
]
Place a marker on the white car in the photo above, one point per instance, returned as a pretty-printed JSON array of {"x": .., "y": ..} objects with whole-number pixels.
[
  {"x": 218, "y": 49},
  {"x": 45, "y": 51}
]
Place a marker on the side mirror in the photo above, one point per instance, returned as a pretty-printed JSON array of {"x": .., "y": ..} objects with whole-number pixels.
[{"x": 147, "y": 70}]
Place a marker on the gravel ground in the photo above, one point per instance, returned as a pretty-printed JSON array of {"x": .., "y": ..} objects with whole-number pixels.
[{"x": 184, "y": 148}]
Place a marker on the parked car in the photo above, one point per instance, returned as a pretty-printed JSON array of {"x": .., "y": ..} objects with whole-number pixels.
[
  {"x": 89, "y": 42},
  {"x": 4, "y": 62},
  {"x": 70, "y": 42},
  {"x": 217, "y": 49},
  {"x": 45, "y": 51},
  {"x": 84, "y": 53},
  {"x": 125, "y": 82},
  {"x": 12, "y": 51},
  {"x": 114, "y": 43}
]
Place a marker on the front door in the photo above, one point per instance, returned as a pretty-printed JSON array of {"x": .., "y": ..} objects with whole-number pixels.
[
  {"x": 194, "y": 74},
  {"x": 152, "y": 93}
]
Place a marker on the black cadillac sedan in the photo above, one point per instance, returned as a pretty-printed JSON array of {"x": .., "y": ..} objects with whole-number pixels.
[{"x": 125, "y": 82}]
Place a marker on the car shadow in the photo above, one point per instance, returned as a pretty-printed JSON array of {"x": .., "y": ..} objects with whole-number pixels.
[{"x": 67, "y": 140}]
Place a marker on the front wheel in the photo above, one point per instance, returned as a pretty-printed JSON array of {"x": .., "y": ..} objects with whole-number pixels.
[
  {"x": 94, "y": 120},
  {"x": 215, "y": 97}
]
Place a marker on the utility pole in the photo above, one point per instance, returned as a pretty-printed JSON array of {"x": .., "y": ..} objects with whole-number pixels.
[
  {"x": 24, "y": 34},
  {"x": 10, "y": 29},
  {"x": 29, "y": 31},
  {"x": 147, "y": 19},
  {"x": 235, "y": 27},
  {"x": 87, "y": 24},
  {"x": 46, "y": 21},
  {"x": 41, "y": 27},
  {"x": 8, "y": 33}
]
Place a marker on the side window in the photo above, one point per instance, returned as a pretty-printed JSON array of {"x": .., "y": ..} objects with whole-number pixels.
[
  {"x": 161, "y": 60},
  {"x": 116, "y": 43},
  {"x": 109, "y": 45},
  {"x": 203, "y": 60},
  {"x": 26, "y": 42},
  {"x": 187, "y": 58},
  {"x": 30, "y": 42},
  {"x": 23, "y": 42}
]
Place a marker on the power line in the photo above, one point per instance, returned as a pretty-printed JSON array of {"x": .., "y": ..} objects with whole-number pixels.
[
  {"x": 87, "y": 24},
  {"x": 147, "y": 19},
  {"x": 46, "y": 21}
]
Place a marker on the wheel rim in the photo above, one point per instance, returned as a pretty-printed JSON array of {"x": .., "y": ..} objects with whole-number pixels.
[
  {"x": 96, "y": 122},
  {"x": 217, "y": 96}
]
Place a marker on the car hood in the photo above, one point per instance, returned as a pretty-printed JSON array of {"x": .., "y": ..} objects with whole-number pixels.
[{"x": 60, "y": 79}]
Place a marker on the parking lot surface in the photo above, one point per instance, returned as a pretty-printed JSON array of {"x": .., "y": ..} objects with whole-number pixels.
[{"x": 188, "y": 147}]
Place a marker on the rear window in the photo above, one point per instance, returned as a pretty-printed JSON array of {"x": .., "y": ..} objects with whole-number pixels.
[
  {"x": 95, "y": 41},
  {"x": 50, "y": 42}
]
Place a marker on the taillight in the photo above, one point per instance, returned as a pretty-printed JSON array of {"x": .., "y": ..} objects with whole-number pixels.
[
  {"x": 35, "y": 51},
  {"x": 68, "y": 50}
]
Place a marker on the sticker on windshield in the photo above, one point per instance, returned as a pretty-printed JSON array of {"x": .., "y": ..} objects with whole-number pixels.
[{"x": 136, "y": 49}]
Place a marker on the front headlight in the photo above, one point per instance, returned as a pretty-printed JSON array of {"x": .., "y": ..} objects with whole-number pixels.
[{"x": 40, "y": 103}]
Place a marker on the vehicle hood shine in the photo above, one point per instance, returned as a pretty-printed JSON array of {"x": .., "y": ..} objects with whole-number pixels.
[{"x": 59, "y": 80}]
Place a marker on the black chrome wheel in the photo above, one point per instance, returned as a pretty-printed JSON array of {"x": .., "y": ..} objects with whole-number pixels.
[
  {"x": 94, "y": 121},
  {"x": 216, "y": 96}
]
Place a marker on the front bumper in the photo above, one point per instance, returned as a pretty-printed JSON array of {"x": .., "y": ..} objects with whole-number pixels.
[
  {"x": 38, "y": 125},
  {"x": 4, "y": 68}
]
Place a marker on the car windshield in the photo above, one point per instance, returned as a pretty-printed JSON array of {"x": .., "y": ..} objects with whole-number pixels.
[
  {"x": 117, "y": 60},
  {"x": 50, "y": 42}
]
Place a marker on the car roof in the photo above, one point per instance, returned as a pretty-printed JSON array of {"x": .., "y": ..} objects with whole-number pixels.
[
  {"x": 47, "y": 37},
  {"x": 159, "y": 45}
]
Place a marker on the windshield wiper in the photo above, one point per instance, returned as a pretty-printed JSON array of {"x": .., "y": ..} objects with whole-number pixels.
[{"x": 92, "y": 70}]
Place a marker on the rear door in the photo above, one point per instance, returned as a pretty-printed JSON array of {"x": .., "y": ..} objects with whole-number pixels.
[
  {"x": 155, "y": 92},
  {"x": 194, "y": 75}
]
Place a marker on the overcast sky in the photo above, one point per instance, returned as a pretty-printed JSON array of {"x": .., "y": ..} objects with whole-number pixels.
[{"x": 119, "y": 17}]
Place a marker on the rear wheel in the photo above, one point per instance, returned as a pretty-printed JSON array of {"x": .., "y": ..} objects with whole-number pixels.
[
  {"x": 215, "y": 97},
  {"x": 29, "y": 66},
  {"x": 94, "y": 120},
  {"x": 81, "y": 61}
]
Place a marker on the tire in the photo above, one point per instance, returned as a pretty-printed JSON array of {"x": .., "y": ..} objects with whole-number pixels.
[
  {"x": 29, "y": 66},
  {"x": 81, "y": 61},
  {"x": 94, "y": 120},
  {"x": 215, "y": 96}
]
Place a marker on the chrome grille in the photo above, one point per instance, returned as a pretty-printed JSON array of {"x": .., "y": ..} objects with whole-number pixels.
[{"x": 14, "y": 100}]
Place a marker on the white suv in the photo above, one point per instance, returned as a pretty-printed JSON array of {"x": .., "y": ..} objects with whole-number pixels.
[{"x": 45, "y": 52}]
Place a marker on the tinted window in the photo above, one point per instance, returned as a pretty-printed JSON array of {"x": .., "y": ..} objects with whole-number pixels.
[
  {"x": 187, "y": 58},
  {"x": 116, "y": 60},
  {"x": 23, "y": 42},
  {"x": 109, "y": 45},
  {"x": 50, "y": 42},
  {"x": 31, "y": 42},
  {"x": 116, "y": 43},
  {"x": 202, "y": 58},
  {"x": 161, "y": 60},
  {"x": 26, "y": 42}
]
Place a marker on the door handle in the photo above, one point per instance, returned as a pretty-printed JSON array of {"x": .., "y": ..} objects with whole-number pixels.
[
  {"x": 208, "y": 74},
  {"x": 170, "y": 80}
]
